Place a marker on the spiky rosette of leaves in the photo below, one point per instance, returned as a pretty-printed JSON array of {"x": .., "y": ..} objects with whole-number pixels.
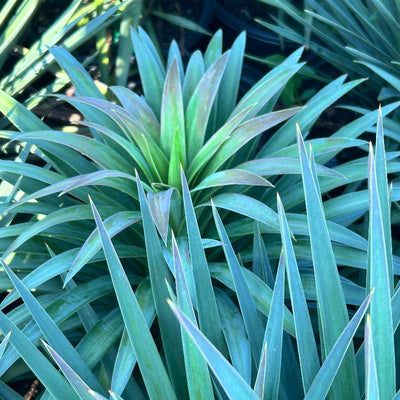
[{"x": 84, "y": 228}]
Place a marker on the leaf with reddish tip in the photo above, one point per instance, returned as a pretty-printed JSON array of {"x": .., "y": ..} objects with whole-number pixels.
[{"x": 159, "y": 204}]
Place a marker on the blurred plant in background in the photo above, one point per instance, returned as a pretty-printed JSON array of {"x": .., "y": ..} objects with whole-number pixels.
[
  {"x": 359, "y": 37},
  {"x": 21, "y": 66}
]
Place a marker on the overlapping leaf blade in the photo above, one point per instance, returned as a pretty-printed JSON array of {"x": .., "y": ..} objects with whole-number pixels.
[
  {"x": 200, "y": 104},
  {"x": 37, "y": 362},
  {"x": 172, "y": 118},
  {"x": 235, "y": 335},
  {"x": 371, "y": 381},
  {"x": 209, "y": 321},
  {"x": 306, "y": 345},
  {"x": 332, "y": 309},
  {"x": 154, "y": 374},
  {"x": 152, "y": 72},
  {"x": 229, "y": 378},
  {"x": 159, "y": 272},
  {"x": 384, "y": 195},
  {"x": 52, "y": 332},
  {"x": 328, "y": 371},
  {"x": 75, "y": 380},
  {"x": 246, "y": 302},
  {"x": 378, "y": 278},
  {"x": 273, "y": 336},
  {"x": 3, "y": 344},
  {"x": 198, "y": 377}
]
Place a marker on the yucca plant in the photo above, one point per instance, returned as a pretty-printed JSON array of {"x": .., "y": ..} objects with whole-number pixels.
[
  {"x": 196, "y": 149},
  {"x": 358, "y": 37}
]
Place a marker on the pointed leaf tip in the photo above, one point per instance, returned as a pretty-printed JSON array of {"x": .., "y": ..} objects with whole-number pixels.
[
  {"x": 372, "y": 291},
  {"x": 371, "y": 147},
  {"x": 299, "y": 136}
]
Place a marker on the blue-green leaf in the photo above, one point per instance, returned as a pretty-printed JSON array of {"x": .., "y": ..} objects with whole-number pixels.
[
  {"x": 384, "y": 197},
  {"x": 323, "y": 381},
  {"x": 233, "y": 384},
  {"x": 159, "y": 273},
  {"x": 200, "y": 105},
  {"x": 37, "y": 362},
  {"x": 259, "y": 384},
  {"x": 235, "y": 335},
  {"x": 246, "y": 302},
  {"x": 261, "y": 265},
  {"x": 378, "y": 278},
  {"x": 371, "y": 381},
  {"x": 331, "y": 303},
  {"x": 194, "y": 72},
  {"x": 174, "y": 52},
  {"x": 52, "y": 332},
  {"x": 80, "y": 387},
  {"x": 198, "y": 377},
  {"x": 208, "y": 315},
  {"x": 172, "y": 117},
  {"x": 232, "y": 177},
  {"x": 273, "y": 336},
  {"x": 4, "y": 344},
  {"x": 83, "y": 82},
  {"x": 306, "y": 346},
  {"x": 230, "y": 80},
  {"x": 151, "y": 71},
  {"x": 125, "y": 360},
  {"x": 152, "y": 369}
]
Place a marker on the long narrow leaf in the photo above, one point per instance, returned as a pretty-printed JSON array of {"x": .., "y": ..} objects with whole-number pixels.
[
  {"x": 273, "y": 336},
  {"x": 332, "y": 309},
  {"x": 172, "y": 119},
  {"x": 37, "y": 362},
  {"x": 322, "y": 382},
  {"x": 208, "y": 315},
  {"x": 247, "y": 305},
  {"x": 378, "y": 277},
  {"x": 371, "y": 377},
  {"x": 235, "y": 335},
  {"x": 159, "y": 273},
  {"x": 198, "y": 377},
  {"x": 307, "y": 348},
  {"x": 383, "y": 192},
  {"x": 4, "y": 344},
  {"x": 52, "y": 332},
  {"x": 199, "y": 107},
  {"x": 75, "y": 380},
  {"x": 154, "y": 374},
  {"x": 233, "y": 384}
]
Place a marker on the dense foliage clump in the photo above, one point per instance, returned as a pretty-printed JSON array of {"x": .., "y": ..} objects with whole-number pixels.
[{"x": 187, "y": 239}]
